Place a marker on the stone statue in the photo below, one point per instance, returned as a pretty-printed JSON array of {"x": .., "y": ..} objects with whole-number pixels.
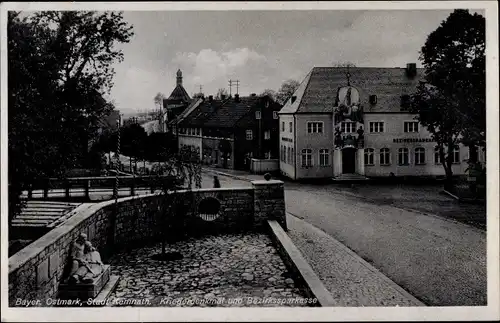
[{"x": 86, "y": 262}]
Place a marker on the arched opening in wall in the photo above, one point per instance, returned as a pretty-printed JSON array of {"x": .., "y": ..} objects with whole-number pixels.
[{"x": 209, "y": 209}]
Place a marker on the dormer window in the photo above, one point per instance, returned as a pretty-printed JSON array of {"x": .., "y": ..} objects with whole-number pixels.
[{"x": 373, "y": 99}]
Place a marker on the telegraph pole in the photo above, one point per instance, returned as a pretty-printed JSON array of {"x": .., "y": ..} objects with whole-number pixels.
[
  {"x": 237, "y": 86},
  {"x": 230, "y": 86}
]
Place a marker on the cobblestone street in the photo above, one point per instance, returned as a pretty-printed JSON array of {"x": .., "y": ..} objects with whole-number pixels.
[
  {"x": 415, "y": 242},
  {"x": 226, "y": 270}
]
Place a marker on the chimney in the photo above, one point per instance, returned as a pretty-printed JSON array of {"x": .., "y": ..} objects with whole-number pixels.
[
  {"x": 411, "y": 70},
  {"x": 236, "y": 98},
  {"x": 210, "y": 98}
]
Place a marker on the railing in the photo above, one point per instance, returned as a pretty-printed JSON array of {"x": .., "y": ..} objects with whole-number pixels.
[{"x": 151, "y": 182}]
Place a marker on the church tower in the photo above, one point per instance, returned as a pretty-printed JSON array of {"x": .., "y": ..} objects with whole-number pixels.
[{"x": 179, "y": 77}]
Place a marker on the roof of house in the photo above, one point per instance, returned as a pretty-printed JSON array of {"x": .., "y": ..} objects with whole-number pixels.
[
  {"x": 249, "y": 119},
  {"x": 199, "y": 115},
  {"x": 230, "y": 112},
  {"x": 318, "y": 91},
  {"x": 179, "y": 94},
  {"x": 193, "y": 105}
]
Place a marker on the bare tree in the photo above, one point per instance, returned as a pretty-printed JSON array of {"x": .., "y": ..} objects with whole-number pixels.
[{"x": 183, "y": 170}]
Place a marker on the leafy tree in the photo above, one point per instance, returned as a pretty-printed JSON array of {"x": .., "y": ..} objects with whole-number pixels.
[
  {"x": 160, "y": 145},
  {"x": 221, "y": 92},
  {"x": 133, "y": 137},
  {"x": 270, "y": 93},
  {"x": 286, "y": 90},
  {"x": 451, "y": 101},
  {"x": 437, "y": 113},
  {"x": 60, "y": 69}
]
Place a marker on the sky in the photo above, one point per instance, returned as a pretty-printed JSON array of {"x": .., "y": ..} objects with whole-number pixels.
[{"x": 261, "y": 49}]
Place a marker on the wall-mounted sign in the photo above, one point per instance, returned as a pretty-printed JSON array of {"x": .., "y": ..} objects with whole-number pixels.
[
  {"x": 398, "y": 140},
  {"x": 286, "y": 139}
]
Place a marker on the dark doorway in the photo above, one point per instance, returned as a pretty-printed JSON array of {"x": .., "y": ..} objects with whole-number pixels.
[{"x": 348, "y": 160}]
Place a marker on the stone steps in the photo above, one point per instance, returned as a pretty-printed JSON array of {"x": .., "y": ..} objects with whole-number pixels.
[
  {"x": 350, "y": 178},
  {"x": 42, "y": 213}
]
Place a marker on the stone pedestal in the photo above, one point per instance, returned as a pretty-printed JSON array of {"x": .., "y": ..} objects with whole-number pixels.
[
  {"x": 269, "y": 202},
  {"x": 85, "y": 291}
]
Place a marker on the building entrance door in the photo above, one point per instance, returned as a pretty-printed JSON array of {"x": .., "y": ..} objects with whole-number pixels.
[{"x": 348, "y": 160}]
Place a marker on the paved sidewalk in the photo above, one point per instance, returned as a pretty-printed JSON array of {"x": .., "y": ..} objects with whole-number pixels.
[{"x": 350, "y": 279}]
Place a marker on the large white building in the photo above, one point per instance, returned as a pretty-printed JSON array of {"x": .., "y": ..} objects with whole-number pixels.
[{"x": 355, "y": 121}]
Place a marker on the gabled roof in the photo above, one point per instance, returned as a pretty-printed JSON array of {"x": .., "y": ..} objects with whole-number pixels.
[
  {"x": 228, "y": 114},
  {"x": 192, "y": 106},
  {"x": 199, "y": 115},
  {"x": 178, "y": 95},
  {"x": 318, "y": 92},
  {"x": 249, "y": 119}
]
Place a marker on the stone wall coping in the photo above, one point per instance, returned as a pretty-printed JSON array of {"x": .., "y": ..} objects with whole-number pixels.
[
  {"x": 81, "y": 213},
  {"x": 309, "y": 278},
  {"x": 269, "y": 182}
]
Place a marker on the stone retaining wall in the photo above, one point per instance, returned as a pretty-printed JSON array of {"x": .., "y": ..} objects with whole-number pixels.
[{"x": 36, "y": 271}]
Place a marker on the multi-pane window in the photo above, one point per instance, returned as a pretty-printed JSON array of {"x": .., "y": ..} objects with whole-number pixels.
[
  {"x": 419, "y": 156},
  {"x": 403, "y": 156},
  {"x": 290, "y": 126},
  {"x": 324, "y": 157},
  {"x": 275, "y": 114},
  {"x": 293, "y": 157},
  {"x": 315, "y": 127},
  {"x": 385, "y": 156},
  {"x": 437, "y": 156},
  {"x": 267, "y": 134},
  {"x": 282, "y": 154},
  {"x": 348, "y": 127},
  {"x": 411, "y": 126},
  {"x": 306, "y": 157},
  {"x": 376, "y": 126},
  {"x": 283, "y": 126},
  {"x": 289, "y": 156},
  {"x": 369, "y": 156},
  {"x": 257, "y": 115},
  {"x": 249, "y": 134},
  {"x": 456, "y": 155}
]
